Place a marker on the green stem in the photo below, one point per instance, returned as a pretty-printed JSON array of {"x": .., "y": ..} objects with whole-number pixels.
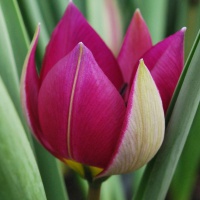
[{"x": 94, "y": 191}]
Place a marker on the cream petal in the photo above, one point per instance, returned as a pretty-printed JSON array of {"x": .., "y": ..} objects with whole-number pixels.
[{"x": 144, "y": 125}]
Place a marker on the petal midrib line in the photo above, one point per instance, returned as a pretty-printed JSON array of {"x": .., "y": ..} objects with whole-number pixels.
[{"x": 72, "y": 99}]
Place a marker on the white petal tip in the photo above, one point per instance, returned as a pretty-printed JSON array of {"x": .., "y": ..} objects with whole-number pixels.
[{"x": 183, "y": 29}]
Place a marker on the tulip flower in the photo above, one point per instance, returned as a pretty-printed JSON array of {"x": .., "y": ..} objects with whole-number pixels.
[{"x": 75, "y": 109}]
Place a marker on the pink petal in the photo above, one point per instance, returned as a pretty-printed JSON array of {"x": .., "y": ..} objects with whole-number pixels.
[
  {"x": 72, "y": 29},
  {"x": 165, "y": 61},
  {"x": 136, "y": 42},
  {"x": 29, "y": 91},
  {"x": 80, "y": 111},
  {"x": 30, "y": 85}
]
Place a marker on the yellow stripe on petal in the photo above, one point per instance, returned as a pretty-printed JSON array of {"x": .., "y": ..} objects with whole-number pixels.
[
  {"x": 79, "y": 168},
  {"x": 72, "y": 99}
]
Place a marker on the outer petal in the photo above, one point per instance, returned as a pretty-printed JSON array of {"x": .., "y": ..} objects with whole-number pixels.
[
  {"x": 72, "y": 29},
  {"x": 80, "y": 111},
  {"x": 29, "y": 91},
  {"x": 165, "y": 61},
  {"x": 136, "y": 42},
  {"x": 143, "y": 128}
]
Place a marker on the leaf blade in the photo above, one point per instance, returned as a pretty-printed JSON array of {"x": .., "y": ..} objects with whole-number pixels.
[
  {"x": 19, "y": 175},
  {"x": 160, "y": 170}
]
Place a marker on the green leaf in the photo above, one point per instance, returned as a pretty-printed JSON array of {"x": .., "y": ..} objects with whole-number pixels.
[
  {"x": 192, "y": 23},
  {"x": 19, "y": 175},
  {"x": 176, "y": 15},
  {"x": 12, "y": 57},
  {"x": 155, "y": 15},
  {"x": 58, "y": 8},
  {"x": 50, "y": 173},
  {"x": 188, "y": 166},
  {"x": 8, "y": 69},
  {"x": 112, "y": 189},
  {"x": 81, "y": 4},
  {"x": 46, "y": 12},
  {"x": 137, "y": 176},
  {"x": 184, "y": 14},
  {"x": 32, "y": 15},
  {"x": 12, "y": 26},
  {"x": 160, "y": 170},
  {"x": 16, "y": 31}
]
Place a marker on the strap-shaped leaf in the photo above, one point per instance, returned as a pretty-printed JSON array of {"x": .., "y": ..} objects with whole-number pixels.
[
  {"x": 19, "y": 175},
  {"x": 12, "y": 57},
  {"x": 13, "y": 47},
  {"x": 188, "y": 166},
  {"x": 159, "y": 172},
  {"x": 16, "y": 32},
  {"x": 154, "y": 12},
  {"x": 8, "y": 67}
]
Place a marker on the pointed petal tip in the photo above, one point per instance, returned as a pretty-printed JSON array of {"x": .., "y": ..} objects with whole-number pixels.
[
  {"x": 70, "y": 5},
  {"x": 142, "y": 66},
  {"x": 137, "y": 14},
  {"x": 38, "y": 27},
  {"x": 141, "y": 61},
  {"x": 30, "y": 52},
  {"x": 37, "y": 31},
  {"x": 136, "y": 43},
  {"x": 35, "y": 38},
  {"x": 183, "y": 29},
  {"x": 181, "y": 32},
  {"x": 81, "y": 44},
  {"x": 70, "y": 2}
]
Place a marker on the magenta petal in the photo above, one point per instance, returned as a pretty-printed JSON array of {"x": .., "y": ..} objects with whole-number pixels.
[
  {"x": 165, "y": 61},
  {"x": 80, "y": 104},
  {"x": 29, "y": 91},
  {"x": 136, "y": 42},
  {"x": 72, "y": 29},
  {"x": 30, "y": 87}
]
